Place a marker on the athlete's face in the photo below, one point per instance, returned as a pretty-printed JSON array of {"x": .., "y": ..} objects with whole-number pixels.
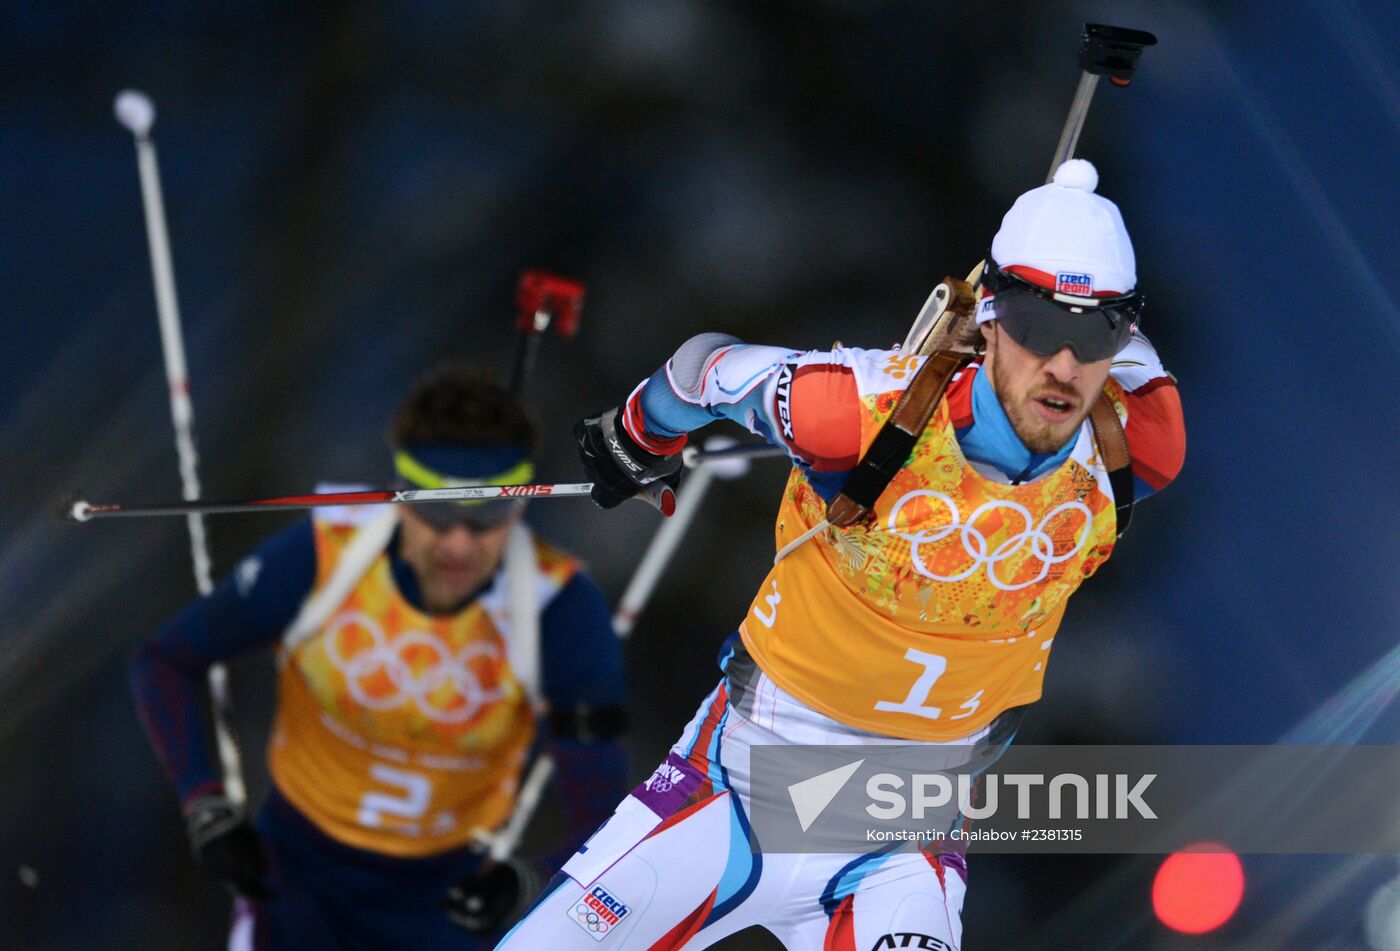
[
  {"x": 1046, "y": 398},
  {"x": 450, "y": 564}
]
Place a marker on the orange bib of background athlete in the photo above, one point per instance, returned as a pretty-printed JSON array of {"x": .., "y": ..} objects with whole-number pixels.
[
  {"x": 939, "y": 615},
  {"x": 397, "y": 731}
]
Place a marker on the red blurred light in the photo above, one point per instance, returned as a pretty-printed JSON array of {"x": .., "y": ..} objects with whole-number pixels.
[{"x": 1198, "y": 888}]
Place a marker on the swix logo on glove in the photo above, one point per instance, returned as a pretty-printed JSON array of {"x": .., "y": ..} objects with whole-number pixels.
[
  {"x": 621, "y": 456},
  {"x": 1080, "y": 285},
  {"x": 598, "y": 912}
]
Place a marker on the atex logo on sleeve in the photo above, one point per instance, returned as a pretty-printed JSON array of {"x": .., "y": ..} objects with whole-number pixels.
[
  {"x": 784, "y": 400},
  {"x": 911, "y": 939},
  {"x": 598, "y": 912}
]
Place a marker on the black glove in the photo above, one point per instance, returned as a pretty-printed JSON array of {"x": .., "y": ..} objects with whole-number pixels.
[
  {"x": 618, "y": 466},
  {"x": 228, "y": 848},
  {"x": 493, "y": 896}
]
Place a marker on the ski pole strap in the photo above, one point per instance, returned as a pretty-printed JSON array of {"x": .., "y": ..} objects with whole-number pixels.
[
  {"x": 1113, "y": 449},
  {"x": 895, "y": 441}
]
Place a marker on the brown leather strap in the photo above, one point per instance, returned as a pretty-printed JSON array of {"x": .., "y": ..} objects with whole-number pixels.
[
  {"x": 1108, "y": 433},
  {"x": 892, "y": 445},
  {"x": 1113, "y": 449},
  {"x": 890, "y": 449},
  {"x": 916, "y": 403}
]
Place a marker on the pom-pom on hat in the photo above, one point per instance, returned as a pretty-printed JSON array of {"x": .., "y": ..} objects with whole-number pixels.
[{"x": 1064, "y": 237}]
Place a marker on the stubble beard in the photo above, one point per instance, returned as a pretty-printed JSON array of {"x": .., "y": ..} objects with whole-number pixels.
[{"x": 1037, "y": 435}]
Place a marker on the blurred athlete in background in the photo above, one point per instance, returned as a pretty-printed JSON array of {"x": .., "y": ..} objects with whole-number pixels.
[
  {"x": 424, "y": 652},
  {"x": 910, "y": 601}
]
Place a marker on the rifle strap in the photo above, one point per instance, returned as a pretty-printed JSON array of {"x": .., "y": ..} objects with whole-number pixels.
[
  {"x": 890, "y": 449},
  {"x": 895, "y": 441},
  {"x": 1113, "y": 449}
]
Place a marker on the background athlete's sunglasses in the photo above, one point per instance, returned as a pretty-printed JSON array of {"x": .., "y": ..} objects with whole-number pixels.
[{"x": 475, "y": 517}]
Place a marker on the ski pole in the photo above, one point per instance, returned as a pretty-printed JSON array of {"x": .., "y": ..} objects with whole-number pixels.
[
  {"x": 501, "y": 844},
  {"x": 543, "y": 301},
  {"x": 658, "y": 495},
  {"x": 720, "y": 458},
  {"x": 721, "y": 449},
  {"x": 1110, "y": 51},
  {"x": 136, "y": 111}
]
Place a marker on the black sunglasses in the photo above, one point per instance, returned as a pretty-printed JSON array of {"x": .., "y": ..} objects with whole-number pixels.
[
  {"x": 475, "y": 517},
  {"x": 1045, "y": 322}
]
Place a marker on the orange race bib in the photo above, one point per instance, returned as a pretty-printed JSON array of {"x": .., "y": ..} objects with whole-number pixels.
[
  {"x": 939, "y": 615},
  {"x": 400, "y": 732}
]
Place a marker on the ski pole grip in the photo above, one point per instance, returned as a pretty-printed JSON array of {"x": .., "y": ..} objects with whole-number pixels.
[
  {"x": 1112, "y": 51},
  {"x": 559, "y": 299},
  {"x": 659, "y": 496}
]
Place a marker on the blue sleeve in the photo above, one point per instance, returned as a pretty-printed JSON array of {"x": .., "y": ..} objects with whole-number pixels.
[
  {"x": 711, "y": 377},
  {"x": 244, "y": 613},
  {"x": 580, "y": 657}
]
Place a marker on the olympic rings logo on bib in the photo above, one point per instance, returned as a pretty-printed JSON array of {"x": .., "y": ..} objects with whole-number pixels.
[
  {"x": 415, "y": 667},
  {"x": 1032, "y": 543}
]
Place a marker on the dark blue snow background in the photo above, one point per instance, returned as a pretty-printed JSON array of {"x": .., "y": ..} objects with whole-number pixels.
[{"x": 352, "y": 190}]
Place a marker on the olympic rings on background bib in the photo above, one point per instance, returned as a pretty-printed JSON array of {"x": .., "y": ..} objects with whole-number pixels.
[
  {"x": 1042, "y": 546},
  {"x": 411, "y": 679}
]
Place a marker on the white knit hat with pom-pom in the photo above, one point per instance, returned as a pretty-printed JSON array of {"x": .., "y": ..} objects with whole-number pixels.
[{"x": 1064, "y": 237}]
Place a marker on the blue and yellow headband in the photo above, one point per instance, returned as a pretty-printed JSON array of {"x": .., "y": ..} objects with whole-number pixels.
[{"x": 443, "y": 466}]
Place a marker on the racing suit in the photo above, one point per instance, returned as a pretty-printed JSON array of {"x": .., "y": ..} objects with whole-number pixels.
[{"x": 932, "y": 623}]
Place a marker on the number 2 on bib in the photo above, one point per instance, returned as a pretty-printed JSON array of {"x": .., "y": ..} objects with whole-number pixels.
[{"x": 416, "y": 793}]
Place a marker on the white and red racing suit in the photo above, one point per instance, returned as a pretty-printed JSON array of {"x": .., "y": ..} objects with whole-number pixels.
[{"x": 931, "y": 623}]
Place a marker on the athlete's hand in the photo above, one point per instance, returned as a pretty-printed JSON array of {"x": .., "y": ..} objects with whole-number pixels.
[
  {"x": 618, "y": 466},
  {"x": 493, "y": 896},
  {"x": 228, "y": 848}
]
